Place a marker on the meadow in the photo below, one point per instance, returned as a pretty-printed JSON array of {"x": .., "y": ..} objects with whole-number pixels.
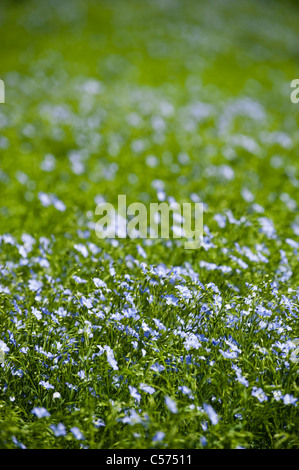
[{"x": 139, "y": 343}]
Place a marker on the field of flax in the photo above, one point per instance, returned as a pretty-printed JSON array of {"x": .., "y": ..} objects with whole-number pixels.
[{"x": 140, "y": 343}]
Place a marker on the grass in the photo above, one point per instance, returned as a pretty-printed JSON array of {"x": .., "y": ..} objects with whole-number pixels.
[{"x": 140, "y": 343}]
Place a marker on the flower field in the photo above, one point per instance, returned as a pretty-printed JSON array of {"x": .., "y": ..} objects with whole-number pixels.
[{"x": 139, "y": 343}]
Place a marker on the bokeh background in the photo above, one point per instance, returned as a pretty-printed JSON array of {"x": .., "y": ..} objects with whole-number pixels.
[{"x": 106, "y": 98}]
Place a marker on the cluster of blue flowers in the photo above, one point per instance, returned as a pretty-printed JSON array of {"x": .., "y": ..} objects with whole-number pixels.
[
  {"x": 125, "y": 331},
  {"x": 139, "y": 342}
]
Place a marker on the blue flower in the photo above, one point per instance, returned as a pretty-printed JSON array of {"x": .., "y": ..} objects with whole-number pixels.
[
  {"x": 58, "y": 204},
  {"x": 204, "y": 425},
  {"x": 77, "y": 433},
  {"x": 229, "y": 355},
  {"x": 81, "y": 374},
  {"x": 45, "y": 199},
  {"x": 220, "y": 219},
  {"x": 171, "y": 404},
  {"x": 157, "y": 367},
  {"x": 99, "y": 283},
  {"x": 18, "y": 443},
  {"x": 191, "y": 342},
  {"x": 85, "y": 302},
  {"x": 267, "y": 227},
  {"x": 71, "y": 386},
  {"x": 131, "y": 418},
  {"x": 259, "y": 394},
  {"x": 4, "y": 347},
  {"x": 211, "y": 413},
  {"x": 159, "y": 436},
  {"x": 79, "y": 280},
  {"x": 147, "y": 388},
  {"x": 23, "y": 350},
  {"x": 17, "y": 372},
  {"x": 141, "y": 251},
  {"x": 34, "y": 285},
  {"x": 134, "y": 393},
  {"x": 242, "y": 379},
  {"x": 277, "y": 395},
  {"x": 37, "y": 313},
  {"x": 98, "y": 422},
  {"x": 171, "y": 300},
  {"x": 46, "y": 385},
  {"x": 186, "y": 391},
  {"x": 82, "y": 249},
  {"x": 58, "y": 430},
  {"x": 185, "y": 292},
  {"x": 289, "y": 399},
  {"x": 110, "y": 356}
]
